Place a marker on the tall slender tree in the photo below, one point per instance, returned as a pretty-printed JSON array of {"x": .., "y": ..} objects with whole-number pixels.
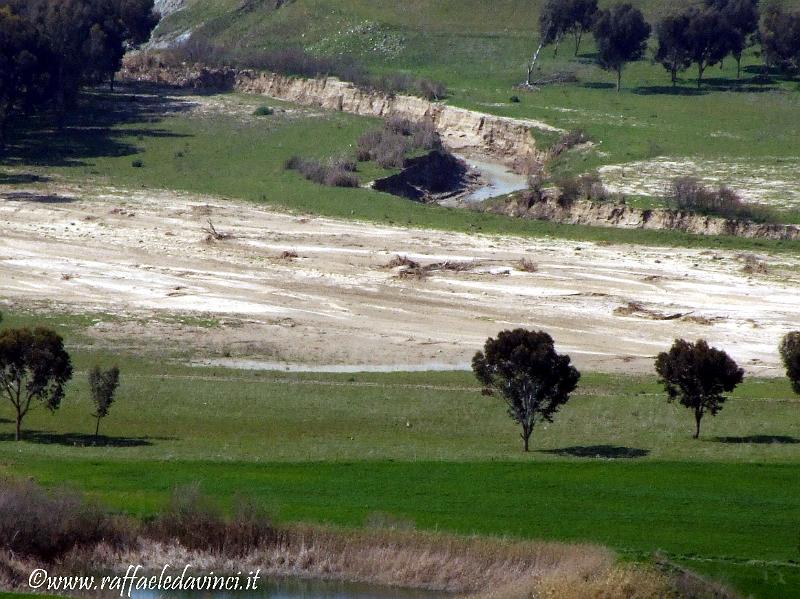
[{"x": 102, "y": 385}]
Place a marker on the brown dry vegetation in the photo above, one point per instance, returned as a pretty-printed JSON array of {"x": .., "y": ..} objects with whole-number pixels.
[{"x": 394, "y": 556}]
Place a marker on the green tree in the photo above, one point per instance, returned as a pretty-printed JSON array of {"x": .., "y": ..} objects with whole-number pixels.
[
  {"x": 780, "y": 38},
  {"x": 621, "y": 35},
  {"x": 581, "y": 15},
  {"x": 102, "y": 385},
  {"x": 22, "y": 64},
  {"x": 34, "y": 367},
  {"x": 711, "y": 38},
  {"x": 523, "y": 367},
  {"x": 673, "y": 45},
  {"x": 790, "y": 355},
  {"x": 697, "y": 375},
  {"x": 742, "y": 16}
]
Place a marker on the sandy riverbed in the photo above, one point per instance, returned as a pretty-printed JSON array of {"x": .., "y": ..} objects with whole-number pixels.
[{"x": 145, "y": 254}]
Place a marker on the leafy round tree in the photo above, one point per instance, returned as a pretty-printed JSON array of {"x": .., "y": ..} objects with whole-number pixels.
[
  {"x": 697, "y": 375},
  {"x": 621, "y": 35},
  {"x": 790, "y": 354},
  {"x": 524, "y": 368},
  {"x": 673, "y": 44},
  {"x": 34, "y": 367},
  {"x": 711, "y": 38}
]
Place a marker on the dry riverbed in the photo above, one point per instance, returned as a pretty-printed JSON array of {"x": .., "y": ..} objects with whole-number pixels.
[{"x": 285, "y": 288}]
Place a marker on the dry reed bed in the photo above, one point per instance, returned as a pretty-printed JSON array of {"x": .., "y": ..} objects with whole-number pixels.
[{"x": 485, "y": 568}]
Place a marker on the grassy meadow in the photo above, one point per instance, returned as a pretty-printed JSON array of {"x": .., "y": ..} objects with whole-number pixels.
[{"x": 616, "y": 467}]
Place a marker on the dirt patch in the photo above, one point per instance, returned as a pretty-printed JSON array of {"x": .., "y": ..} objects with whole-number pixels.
[
  {"x": 142, "y": 259},
  {"x": 775, "y": 182}
]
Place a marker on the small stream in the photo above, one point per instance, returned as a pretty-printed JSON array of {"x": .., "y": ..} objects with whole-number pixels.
[
  {"x": 293, "y": 588},
  {"x": 498, "y": 181}
]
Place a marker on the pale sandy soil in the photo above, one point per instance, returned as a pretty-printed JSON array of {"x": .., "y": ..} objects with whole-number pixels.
[
  {"x": 775, "y": 182},
  {"x": 143, "y": 256}
]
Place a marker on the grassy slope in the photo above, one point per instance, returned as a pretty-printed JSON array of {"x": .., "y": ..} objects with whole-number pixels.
[
  {"x": 480, "y": 52},
  {"x": 337, "y": 448}
]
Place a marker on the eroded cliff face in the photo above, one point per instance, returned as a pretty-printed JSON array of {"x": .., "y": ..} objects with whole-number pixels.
[
  {"x": 467, "y": 132},
  {"x": 615, "y": 214}
]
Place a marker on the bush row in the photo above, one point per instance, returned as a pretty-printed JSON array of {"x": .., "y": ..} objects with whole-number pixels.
[
  {"x": 298, "y": 62},
  {"x": 44, "y": 524},
  {"x": 690, "y": 194}
]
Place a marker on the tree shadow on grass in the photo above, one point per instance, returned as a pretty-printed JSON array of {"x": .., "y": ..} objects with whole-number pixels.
[
  {"x": 21, "y": 179},
  {"x": 688, "y": 87},
  {"x": 39, "y": 198},
  {"x": 613, "y": 452},
  {"x": 668, "y": 90},
  {"x": 598, "y": 85},
  {"x": 83, "y": 440},
  {"x": 760, "y": 440},
  {"x": 102, "y": 125}
]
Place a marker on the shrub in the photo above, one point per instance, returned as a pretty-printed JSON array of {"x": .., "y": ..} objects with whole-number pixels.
[
  {"x": 399, "y": 125},
  {"x": 388, "y": 146},
  {"x": 391, "y": 152},
  {"x": 137, "y": 164},
  {"x": 584, "y": 187},
  {"x": 430, "y": 89},
  {"x": 337, "y": 173},
  {"x": 338, "y": 177},
  {"x": 263, "y": 111},
  {"x": 691, "y": 195},
  {"x": 514, "y": 100},
  {"x": 197, "y": 523},
  {"x": 425, "y": 136},
  {"x": 47, "y": 524},
  {"x": 568, "y": 140},
  {"x": 367, "y": 144}
]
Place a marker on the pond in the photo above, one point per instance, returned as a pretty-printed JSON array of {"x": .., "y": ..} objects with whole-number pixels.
[{"x": 292, "y": 588}]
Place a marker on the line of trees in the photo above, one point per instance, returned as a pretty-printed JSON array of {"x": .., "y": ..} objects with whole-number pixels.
[
  {"x": 535, "y": 381},
  {"x": 50, "y": 48},
  {"x": 702, "y": 35}
]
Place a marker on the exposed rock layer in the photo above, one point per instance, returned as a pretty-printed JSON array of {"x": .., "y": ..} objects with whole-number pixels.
[
  {"x": 615, "y": 214},
  {"x": 463, "y": 131}
]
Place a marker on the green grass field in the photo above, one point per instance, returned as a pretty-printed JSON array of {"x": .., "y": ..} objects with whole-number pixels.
[{"x": 617, "y": 466}]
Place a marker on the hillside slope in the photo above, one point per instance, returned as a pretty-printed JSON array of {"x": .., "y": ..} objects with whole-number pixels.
[{"x": 744, "y": 132}]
